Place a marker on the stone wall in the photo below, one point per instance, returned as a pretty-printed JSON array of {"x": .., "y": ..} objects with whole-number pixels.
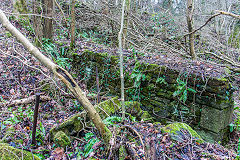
[{"x": 167, "y": 94}]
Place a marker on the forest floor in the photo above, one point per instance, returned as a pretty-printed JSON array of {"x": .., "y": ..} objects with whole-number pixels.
[{"x": 22, "y": 76}]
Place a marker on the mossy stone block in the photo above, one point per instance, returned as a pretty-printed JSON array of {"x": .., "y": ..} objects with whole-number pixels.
[
  {"x": 10, "y": 153},
  {"x": 175, "y": 128},
  {"x": 71, "y": 126},
  {"x": 165, "y": 93},
  {"x": 61, "y": 139},
  {"x": 133, "y": 108},
  {"x": 214, "y": 119},
  {"x": 221, "y": 104},
  {"x": 146, "y": 116},
  {"x": 212, "y": 137},
  {"x": 108, "y": 107}
]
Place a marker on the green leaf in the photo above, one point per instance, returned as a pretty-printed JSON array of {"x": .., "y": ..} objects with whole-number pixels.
[
  {"x": 184, "y": 96},
  {"x": 143, "y": 77},
  {"x": 176, "y": 93},
  {"x": 138, "y": 77},
  {"x": 192, "y": 90},
  {"x": 181, "y": 87},
  {"x": 133, "y": 75},
  {"x": 231, "y": 127}
]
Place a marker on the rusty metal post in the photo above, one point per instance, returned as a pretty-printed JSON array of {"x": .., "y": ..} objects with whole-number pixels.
[{"x": 35, "y": 118}]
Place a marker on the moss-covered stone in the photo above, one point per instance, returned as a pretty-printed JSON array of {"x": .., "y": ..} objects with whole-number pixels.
[
  {"x": 108, "y": 107},
  {"x": 61, "y": 139},
  {"x": 10, "y": 153},
  {"x": 147, "y": 117},
  {"x": 74, "y": 124},
  {"x": 135, "y": 110},
  {"x": 175, "y": 128},
  {"x": 10, "y": 132},
  {"x": 71, "y": 126},
  {"x": 212, "y": 137},
  {"x": 214, "y": 119},
  {"x": 156, "y": 96}
]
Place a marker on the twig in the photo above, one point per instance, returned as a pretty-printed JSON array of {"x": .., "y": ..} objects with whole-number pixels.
[
  {"x": 229, "y": 14},
  {"x": 213, "y": 16},
  {"x": 227, "y": 59},
  {"x": 29, "y": 14},
  {"x": 61, "y": 11},
  {"x": 140, "y": 137}
]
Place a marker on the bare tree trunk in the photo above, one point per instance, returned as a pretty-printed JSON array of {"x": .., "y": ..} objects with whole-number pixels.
[
  {"x": 73, "y": 21},
  {"x": 63, "y": 75},
  {"x": 37, "y": 22},
  {"x": 48, "y": 10},
  {"x": 190, "y": 8},
  {"x": 121, "y": 60},
  {"x": 125, "y": 24}
]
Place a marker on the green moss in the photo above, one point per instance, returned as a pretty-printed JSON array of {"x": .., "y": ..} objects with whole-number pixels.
[
  {"x": 107, "y": 136},
  {"x": 157, "y": 123},
  {"x": 174, "y": 128},
  {"x": 146, "y": 117},
  {"x": 10, "y": 132},
  {"x": 122, "y": 152},
  {"x": 10, "y": 153},
  {"x": 222, "y": 79},
  {"x": 71, "y": 126},
  {"x": 108, "y": 107},
  {"x": 8, "y": 34},
  {"x": 61, "y": 139},
  {"x": 133, "y": 108}
]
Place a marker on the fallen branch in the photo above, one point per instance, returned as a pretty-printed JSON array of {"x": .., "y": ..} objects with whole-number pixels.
[
  {"x": 134, "y": 131},
  {"x": 228, "y": 60},
  {"x": 24, "y": 101},
  {"x": 224, "y": 58}
]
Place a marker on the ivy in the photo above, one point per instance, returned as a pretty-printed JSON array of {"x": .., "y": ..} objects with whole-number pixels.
[{"x": 182, "y": 90}]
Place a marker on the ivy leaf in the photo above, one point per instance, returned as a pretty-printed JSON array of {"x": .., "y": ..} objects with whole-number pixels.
[
  {"x": 176, "y": 93},
  {"x": 138, "y": 77},
  {"x": 134, "y": 75},
  {"x": 231, "y": 127},
  {"x": 143, "y": 77},
  {"x": 181, "y": 87},
  {"x": 184, "y": 96},
  {"x": 192, "y": 90}
]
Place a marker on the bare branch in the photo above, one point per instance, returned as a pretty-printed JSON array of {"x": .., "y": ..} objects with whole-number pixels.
[
  {"x": 213, "y": 16},
  {"x": 229, "y": 14}
]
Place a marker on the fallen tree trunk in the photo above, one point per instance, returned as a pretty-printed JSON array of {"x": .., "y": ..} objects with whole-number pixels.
[
  {"x": 24, "y": 101},
  {"x": 63, "y": 75}
]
